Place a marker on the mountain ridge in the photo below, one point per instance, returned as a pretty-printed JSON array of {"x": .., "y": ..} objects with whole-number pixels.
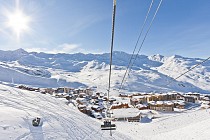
[{"x": 148, "y": 74}]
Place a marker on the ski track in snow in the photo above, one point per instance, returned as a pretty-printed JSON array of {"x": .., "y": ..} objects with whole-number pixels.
[
  {"x": 175, "y": 125},
  {"x": 60, "y": 121},
  {"x": 71, "y": 123}
]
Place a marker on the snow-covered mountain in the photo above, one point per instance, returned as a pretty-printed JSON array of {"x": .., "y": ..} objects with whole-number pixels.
[{"x": 148, "y": 74}]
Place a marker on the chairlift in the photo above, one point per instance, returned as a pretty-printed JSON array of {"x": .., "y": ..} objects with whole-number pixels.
[
  {"x": 108, "y": 125},
  {"x": 36, "y": 121}
]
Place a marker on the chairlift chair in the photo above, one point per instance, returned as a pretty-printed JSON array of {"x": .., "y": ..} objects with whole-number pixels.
[
  {"x": 108, "y": 125},
  {"x": 36, "y": 121}
]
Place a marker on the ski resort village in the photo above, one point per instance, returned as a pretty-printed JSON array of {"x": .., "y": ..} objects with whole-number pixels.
[
  {"x": 68, "y": 113},
  {"x": 135, "y": 107}
]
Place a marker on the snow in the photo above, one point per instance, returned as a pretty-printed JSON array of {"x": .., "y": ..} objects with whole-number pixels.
[
  {"x": 59, "y": 121},
  {"x": 125, "y": 112},
  {"x": 149, "y": 73},
  {"x": 182, "y": 126}
]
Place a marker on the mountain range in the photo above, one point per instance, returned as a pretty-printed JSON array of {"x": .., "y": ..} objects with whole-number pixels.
[{"x": 155, "y": 73}]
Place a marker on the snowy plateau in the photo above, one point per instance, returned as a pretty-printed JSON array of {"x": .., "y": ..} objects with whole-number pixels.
[{"x": 63, "y": 121}]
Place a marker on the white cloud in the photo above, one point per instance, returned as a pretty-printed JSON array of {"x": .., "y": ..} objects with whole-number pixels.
[
  {"x": 67, "y": 48},
  {"x": 63, "y": 48},
  {"x": 37, "y": 50}
]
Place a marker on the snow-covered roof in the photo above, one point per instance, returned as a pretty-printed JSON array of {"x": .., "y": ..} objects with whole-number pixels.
[
  {"x": 168, "y": 102},
  {"x": 138, "y": 97},
  {"x": 81, "y": 106},
  {"x": 161, "y": 102},
  {"x": 125, "y": 112},
  {"x": 140, "y": 105},
  {"x": 95, "y": 106}
]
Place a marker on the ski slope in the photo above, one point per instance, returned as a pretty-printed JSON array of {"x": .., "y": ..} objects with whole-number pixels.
[
  {"x": 188, "y": 125},
  {"x": 59, "y": 121}
]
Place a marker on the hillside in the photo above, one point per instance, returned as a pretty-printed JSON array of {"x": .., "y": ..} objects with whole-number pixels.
[
  {"x": 148, "y": 74},
  {"x": 59, "y": 121}
]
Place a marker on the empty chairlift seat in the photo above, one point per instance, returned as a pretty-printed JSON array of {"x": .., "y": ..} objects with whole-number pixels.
[
  {"x": 36, "y": 121},
  {"x": 108, "y": 126}
]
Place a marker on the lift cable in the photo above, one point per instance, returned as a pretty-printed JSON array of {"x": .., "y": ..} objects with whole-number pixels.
[
  {"x": 142, "y": 28},
  {"x": 143, "y": 39},
  {"x": 189, "y": 70}
]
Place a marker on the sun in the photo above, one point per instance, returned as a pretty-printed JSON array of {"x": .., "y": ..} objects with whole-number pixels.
[{"x": 18, "y": 22}]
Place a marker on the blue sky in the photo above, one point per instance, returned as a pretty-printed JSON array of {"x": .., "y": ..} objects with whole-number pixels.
[{"x": 181, "y": 26}]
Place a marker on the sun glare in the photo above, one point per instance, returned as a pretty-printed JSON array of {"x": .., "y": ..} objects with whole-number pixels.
[{"x": 18, "y": 22}]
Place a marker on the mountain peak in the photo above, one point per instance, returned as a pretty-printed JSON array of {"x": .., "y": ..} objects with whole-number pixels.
[
  {"x": 156, "y": 57},
  {"x": 21, "y": 51},
  {"x": 176, "y": 56}
]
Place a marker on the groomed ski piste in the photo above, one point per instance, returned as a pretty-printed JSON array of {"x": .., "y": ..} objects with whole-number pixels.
[{"x": 61, "y": 121}]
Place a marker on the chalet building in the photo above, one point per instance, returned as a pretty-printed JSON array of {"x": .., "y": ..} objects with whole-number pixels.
[
  {"x": 208, "y": 96},
  {"x": 143, "y": 99},
  {"x": 192, "y": 99},
  {"x": 94, "y": 97},
  {"x": 142, "y": 106},
  {"x": 27, "y": 88},
  {"x": 161, "y": 105},
  {"x": 81, "y": 101},
  {"x": 204, "y": 98},
  {"x": 82, "y": 95},
  {"x": 162, "y": 97},
  {"x": 180, "y": 97},
  {"x": 97, "y": 108},
  {"x": 194, "y": 94},
  {"x": 64, "y": 90},
  {"x": 126, "y": 114},
  {"x": 80, "y": 107},
  {"x": 179, "y": 104},
  {"x": 49, "y": 90},
  {"x": 138, "y": 100},
  {"x": 134, "y": 118},
  {"x": 119, "y": 105},
  {"x": 77, "y": 91},
  {"x": 88, "y": 91},
  {"x": 123, "y": 95},
  {"x": 84, "y": 109}
]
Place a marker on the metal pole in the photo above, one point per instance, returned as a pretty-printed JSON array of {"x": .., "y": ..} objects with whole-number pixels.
[{"x": 112, "y": 44}]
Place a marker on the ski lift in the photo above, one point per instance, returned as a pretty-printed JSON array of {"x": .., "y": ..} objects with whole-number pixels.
[
  {"x": 36, "y": 121},
  {"x": 108, "y": 125}
]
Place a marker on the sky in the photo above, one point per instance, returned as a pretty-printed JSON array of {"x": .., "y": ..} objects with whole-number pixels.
[{"x": 69, "y": 26}]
